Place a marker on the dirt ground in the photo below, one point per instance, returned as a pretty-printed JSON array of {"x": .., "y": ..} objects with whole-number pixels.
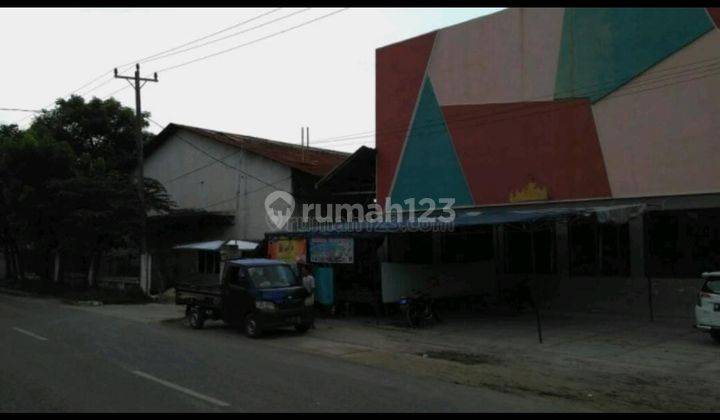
[{"x": 605, "y": 363}]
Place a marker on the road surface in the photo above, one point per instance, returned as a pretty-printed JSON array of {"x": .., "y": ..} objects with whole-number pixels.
[{"x": 58, "y": 358}]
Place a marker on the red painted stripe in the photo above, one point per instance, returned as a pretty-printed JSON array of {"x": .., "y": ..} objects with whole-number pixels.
[
  {"x": 503, "y": 147},
  {"x": 399, "y": 69},
  {"x": 715, "y": 15}
]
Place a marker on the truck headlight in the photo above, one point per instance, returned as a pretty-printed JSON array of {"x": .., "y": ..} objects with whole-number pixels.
[
  {"x": 265, "y": 306},
  {"x": 309, "y": 301}
]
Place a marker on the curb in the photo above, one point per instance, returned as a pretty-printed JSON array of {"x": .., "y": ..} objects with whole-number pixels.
[{"x": 82, "y": 302}]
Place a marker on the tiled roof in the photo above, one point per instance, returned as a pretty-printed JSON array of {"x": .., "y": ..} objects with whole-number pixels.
[{"x": 311, "y": 160}]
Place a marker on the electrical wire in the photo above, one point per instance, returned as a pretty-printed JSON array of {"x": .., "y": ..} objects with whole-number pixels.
[
  {"x": 274, "y": 34},
  {"x": 236, "y": 25},
  {"x": 20, "y": 110},
  {"x": 161, "y": 57},
  {"x": 124, "y": 66},
  {"x": 211, "y": 156},
  {"x": 711, "y": 70}
]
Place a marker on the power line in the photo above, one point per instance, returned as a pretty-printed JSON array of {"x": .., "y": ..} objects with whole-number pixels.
[
  {"x": 398, "y": 128},
  {"x": 161, "y": 54},
  {"x": 711, "y": 63},
  {"x": 227, "y": 36},
  {"x": 227, "y": 50},
  {"x": 153, "y": 56},
  {"x": 115, "y": 92},
  {"x": 201, "y": 167},
  {"x": 245, "y": 194},
  {"x": 173, "y": 51},
  {"x": 124, "y": 66},
  {"x": 530, "y": 104},
  {"x": 513, "y": 114},
  {"x": 211, "y": 156},
  {"x": 21, "y": 110}
]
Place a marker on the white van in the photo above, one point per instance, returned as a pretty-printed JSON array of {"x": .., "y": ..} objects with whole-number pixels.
[{"x": 707, "y": 308}]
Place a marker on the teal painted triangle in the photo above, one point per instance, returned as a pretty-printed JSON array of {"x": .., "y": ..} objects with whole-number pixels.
[
  {"x": 604, "y": 48},
  {"x": 429, "y": 167}
]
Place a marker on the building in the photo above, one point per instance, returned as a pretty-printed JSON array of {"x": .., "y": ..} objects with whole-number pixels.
[
  {"x": 346, "y": 264},
  {"x": 219, "y": 182},
  {"x": 562, "y": 108}
]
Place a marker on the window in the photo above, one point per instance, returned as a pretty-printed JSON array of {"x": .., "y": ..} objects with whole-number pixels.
[
  {"x": 467, "y": 246},
  {"x": 599, "y": 249},
  {"x": 208, "y": 262},
  {"x": 272, "y": 276},
  {"x": 682, "y": 243},
  {"x": 412, "y": 248},
  {"x": 519, "y": 241},
  {"x": 711, "y": 286}
]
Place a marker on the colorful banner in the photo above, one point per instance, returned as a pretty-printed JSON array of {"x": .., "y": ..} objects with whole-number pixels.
[
  {"x": 290, "y": 250},
  {"x": 332, "y": 250}
]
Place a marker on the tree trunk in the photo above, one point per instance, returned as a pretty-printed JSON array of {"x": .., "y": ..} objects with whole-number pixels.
[
  {"x": 91, "y": 271},
  {"x": 9, "y": 273},
  {"x": 18, "y": 262},
  {"x": 56, "y": 267}
]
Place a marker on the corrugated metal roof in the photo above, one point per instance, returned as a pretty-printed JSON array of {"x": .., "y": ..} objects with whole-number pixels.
[
  {"x": 311, "y": 160},
  {"x": 215, "y": 245}
]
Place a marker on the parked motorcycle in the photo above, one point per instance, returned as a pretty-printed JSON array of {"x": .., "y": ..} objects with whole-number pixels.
[
  {"x": 519, "y": 296},
  {"x": 418, "y": 309}
]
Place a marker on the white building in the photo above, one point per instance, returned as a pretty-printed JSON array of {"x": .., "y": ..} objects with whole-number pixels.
[{"x": 219, "y": 182}]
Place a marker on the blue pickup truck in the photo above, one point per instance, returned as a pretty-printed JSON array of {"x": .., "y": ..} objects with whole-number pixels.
[{"x": 254, "y": 294}]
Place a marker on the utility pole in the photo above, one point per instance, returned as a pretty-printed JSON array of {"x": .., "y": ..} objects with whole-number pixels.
[{"x": 135, "y": 82}]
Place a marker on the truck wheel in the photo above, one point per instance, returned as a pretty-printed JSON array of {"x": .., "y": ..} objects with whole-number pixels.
[
  {"x": 715, "y": 334},
  {"x": 196, "y": 318},
  {"x": 301, "y": 328},
  {"x": 251, "y": 327}
]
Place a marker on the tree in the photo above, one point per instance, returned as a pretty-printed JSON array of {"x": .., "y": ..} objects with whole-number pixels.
[
  {"x": 67, "y": 185},
  {"x": 101, "y": 129},
  {"x": 30, "y": 167}
]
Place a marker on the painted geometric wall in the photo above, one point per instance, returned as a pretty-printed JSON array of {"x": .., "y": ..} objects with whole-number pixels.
[{"x": 552, "y": 104}]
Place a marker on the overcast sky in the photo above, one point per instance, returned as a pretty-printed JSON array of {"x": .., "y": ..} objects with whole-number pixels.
[{"x": 320, "y": 75}]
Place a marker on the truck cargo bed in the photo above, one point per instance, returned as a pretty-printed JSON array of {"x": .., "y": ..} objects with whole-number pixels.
[{"x": 203, "y": 294}]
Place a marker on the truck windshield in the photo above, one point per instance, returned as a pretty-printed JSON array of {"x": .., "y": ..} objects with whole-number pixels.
[{"x": 272, "y": 276}]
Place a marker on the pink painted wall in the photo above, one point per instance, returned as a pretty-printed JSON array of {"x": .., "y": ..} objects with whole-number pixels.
[
  {"x": 660, "y": 133},
  {"x": 509, "y": 56}
]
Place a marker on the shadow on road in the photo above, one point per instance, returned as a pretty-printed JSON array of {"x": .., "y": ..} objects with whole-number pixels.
[{"x": 220, "y": 327}]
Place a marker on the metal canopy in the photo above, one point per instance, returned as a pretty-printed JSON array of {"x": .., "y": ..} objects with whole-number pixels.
[
  {"x": 617, "y": 214},
  {"x": 605, "y": 214},
  {"x": 216, "y": 245}
]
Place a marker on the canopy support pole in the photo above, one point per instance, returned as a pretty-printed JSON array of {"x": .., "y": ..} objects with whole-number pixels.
[
  {"x": 650, "y": 299},
  {"x": 537, "y": 299}
]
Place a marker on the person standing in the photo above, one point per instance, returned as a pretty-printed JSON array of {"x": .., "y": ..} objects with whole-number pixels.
[{"x": 308, "y": 281}]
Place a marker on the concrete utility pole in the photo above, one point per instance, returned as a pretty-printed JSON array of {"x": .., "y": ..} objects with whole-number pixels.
[{"x": 134, "y": 81}]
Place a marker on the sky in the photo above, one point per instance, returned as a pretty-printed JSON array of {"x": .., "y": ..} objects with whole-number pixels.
[{"x": 320, "y": 75}]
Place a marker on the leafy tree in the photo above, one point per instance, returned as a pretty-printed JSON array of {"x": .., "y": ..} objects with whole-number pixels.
[
  {"x": 101, "y": 129},
  {"x": 30, "y": 166},
  {"x": 67, "y": 184}
]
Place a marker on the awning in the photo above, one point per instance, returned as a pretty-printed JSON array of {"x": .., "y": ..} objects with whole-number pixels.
[
  {"x": 617, "y": 214},
  {"x": 216, "y": 245},
  {"x": 605, "y": 214}
]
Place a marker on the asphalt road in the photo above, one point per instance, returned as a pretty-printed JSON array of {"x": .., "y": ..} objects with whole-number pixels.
[{"x": 58, "y": 358}]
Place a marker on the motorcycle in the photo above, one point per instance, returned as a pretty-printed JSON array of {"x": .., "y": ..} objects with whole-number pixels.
[
  {"x": 418, "y": 308},
  {"x": 519, "y": 296}
]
